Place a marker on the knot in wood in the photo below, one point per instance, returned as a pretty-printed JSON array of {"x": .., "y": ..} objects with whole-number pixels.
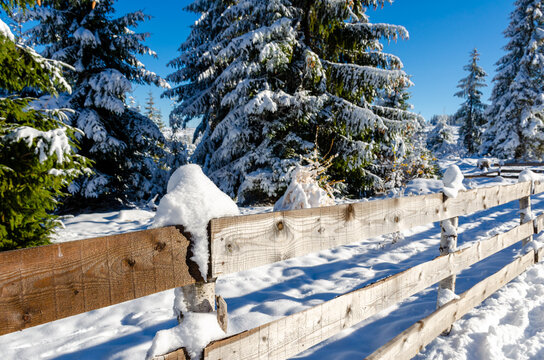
[
  {"x": 131, "y": 262},
  {"x": 279, "y": 225},
  {"x": 160, "y": 246},
  {"x": 229, "y": 247},
  {"x": 350, "y": 212},
  {"x": 27, "y": 317}
]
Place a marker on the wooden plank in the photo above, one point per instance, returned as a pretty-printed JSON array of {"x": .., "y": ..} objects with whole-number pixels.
[
  {"x": 69, "y": 279},
  {"x": 42, "y": 284},
  {"x": 414, "y": 339},
  {"x": 538, "y": 187},
  {"x": 244, "y": 242},
  {"x": 312, "y": 326}
]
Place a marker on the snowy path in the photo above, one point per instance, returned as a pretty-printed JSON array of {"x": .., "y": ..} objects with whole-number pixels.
[{"x": 508, "y": 325}]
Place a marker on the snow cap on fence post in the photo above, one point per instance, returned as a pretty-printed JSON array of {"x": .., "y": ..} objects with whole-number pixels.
[
  {"x": 453, "y": 181},
  {"x": 192, "y": 200}
]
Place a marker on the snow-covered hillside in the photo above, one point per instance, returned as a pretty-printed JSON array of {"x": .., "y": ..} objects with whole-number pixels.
[{"x": 508, "y": 325}]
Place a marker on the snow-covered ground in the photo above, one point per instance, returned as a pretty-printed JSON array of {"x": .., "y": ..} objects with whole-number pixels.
[{"x": 509, "y": 325}]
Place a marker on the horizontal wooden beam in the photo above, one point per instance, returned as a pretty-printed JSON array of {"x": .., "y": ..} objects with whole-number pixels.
[
  {"x": 244, "y": 242},
  {"x": 411, "y": 341},
  {"x": 46, "y": 283},
  {"x": 538, "y": 187},
  {"x": 286, "y": 337}
]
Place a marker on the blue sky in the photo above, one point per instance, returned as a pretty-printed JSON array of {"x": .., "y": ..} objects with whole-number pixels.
[{"x": 442, "y": 33}]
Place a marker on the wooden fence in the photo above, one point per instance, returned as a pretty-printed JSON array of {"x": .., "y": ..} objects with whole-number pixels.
[
  {"x": 507, "y": 170},
  {"x": 42, "y": 284}
]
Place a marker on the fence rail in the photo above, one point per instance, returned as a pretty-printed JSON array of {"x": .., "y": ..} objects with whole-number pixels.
[{"x": 39, "y": 285}]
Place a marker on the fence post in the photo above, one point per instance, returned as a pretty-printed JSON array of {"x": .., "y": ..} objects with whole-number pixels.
[
  {"x": 448, "y": 244},
  {"x": 199, "y": 298},
  {"x": 525, "y": 214}
]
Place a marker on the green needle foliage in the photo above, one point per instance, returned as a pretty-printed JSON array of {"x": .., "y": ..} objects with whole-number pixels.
[{"x": 37, "y": 157}]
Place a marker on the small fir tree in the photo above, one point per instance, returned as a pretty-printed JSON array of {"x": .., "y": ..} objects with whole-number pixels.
[
  {"x": 471, "y": 114},
  {"x": 152, "y": 112},
  {"x": 264, "y": 77},
  {"x": 440, "y": 139},
  {"x": 126, "y": 146},
  {"x": 37, "y": 157},
  {"x": 515, "y": 116}
]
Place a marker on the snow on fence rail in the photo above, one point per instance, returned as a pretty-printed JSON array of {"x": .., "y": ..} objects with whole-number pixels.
[{"x": 42, "y": 284}]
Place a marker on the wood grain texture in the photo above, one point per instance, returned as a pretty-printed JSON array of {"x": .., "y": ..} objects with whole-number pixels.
[
  {"x": 291, "y": 335},
  {"x": 244, "y": 242},
  {"x": 538, "y": 187},
  {"x": 407, "y": 344},
  {"x": 42, "y": 284}
]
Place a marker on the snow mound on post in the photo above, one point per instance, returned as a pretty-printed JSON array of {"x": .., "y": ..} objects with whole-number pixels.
[
  {"x": 528, "y": 175},
  {"x": 453, "y": 181},
  {"x": 192, "y": 200},
  {"x": 303, "y": 192},
  {"x": 195, "y": 332}
]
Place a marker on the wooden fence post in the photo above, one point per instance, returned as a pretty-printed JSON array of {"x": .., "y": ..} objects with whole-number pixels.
[
  {"x": 448, "y": 244},
  {"x": 199, "y": 298},
  {"x": 525, "y": 214}
]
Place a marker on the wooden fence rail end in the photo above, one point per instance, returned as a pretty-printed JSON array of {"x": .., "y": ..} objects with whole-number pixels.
[{"x": 47, "y": 283}]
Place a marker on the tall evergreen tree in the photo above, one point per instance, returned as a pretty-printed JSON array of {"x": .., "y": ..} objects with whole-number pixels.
[
  {"x": 516, "y": 113},
  {"x": 37, "y": 157},
  {"x": 267, "y": 76},
  {"x": 152, "y": 112},
  {"x": 125, "y": 145},
  {"x": 471, "y": 113}
]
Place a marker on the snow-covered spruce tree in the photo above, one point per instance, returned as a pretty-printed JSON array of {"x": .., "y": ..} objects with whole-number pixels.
[
  {"x": 440, "y": 139},
  {"x": 471, "y": 112},
  {"x": 515, "y": 116},
  {"x": 37, "y": 157},
  {"x": 152, "y": 112},
  {"x": 126, "y": 146},
  {"x": 267, "y": 76}
]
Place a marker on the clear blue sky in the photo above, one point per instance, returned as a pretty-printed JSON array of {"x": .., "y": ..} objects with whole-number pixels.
[{"x": 442, "y": 32}]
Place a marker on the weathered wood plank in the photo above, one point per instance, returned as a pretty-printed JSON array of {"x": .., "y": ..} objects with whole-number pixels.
[
  {"x": 46, "y": 283},
  {"x": 538, "y": 187},
  {"x": 312, "y": 326},
  {"x": 411, "y": 341},
  {"x": 244, "y": 242}
]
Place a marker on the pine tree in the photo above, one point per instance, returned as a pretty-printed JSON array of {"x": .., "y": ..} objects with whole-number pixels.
[
  {"x": 36, "y": 148},
  {"x": 267, "y": 76},
  {"x": 471, "y": 113},
  {"x": 440, "y": 139},
  {"x": 516, "y": 113},
  {"x": 152, "y": 112},
  {"x": 125, "y": 145}
]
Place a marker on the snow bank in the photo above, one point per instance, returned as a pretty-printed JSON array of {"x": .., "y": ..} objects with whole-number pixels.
[
  {"x": 303, "y": 192},
  {"x": 453, "y": 181},
  {"x": 5, "y": 31},
  {"x": 192, "y": 200},
  {"x": 195, "y": 332}
]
